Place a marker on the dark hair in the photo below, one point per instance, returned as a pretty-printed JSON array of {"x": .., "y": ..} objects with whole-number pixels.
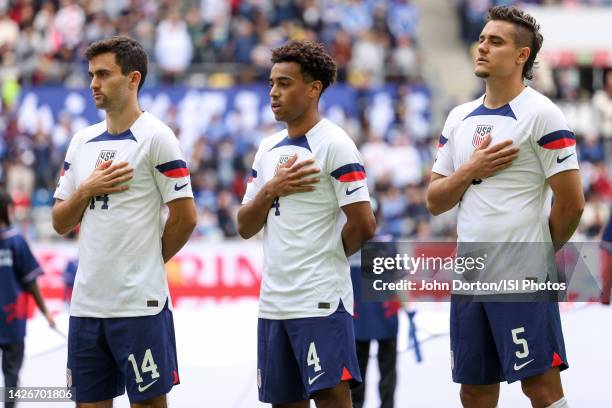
[
  {"x": 315, "y": 63},
  {"x": 129, "y": 54},
  {"x": 5, "y": 201},
  {"x": 527, "y": 32}
]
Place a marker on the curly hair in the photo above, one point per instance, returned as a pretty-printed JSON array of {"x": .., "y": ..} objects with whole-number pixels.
[
  {"x": 129, "y": 54},
  {"x": 315, "y": 63},
  {"x": 527, "y": 33}
]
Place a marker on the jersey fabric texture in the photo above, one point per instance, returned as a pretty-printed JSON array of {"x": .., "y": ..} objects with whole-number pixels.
[
  {"x": 306, "y": 272},
  {"x": 18, "y": 267},
  {"x": 512, "y": 205},
  {"x": 106, "y": 356},
  {"x": 121, "y": 270},
  {"x": 297, "y": 357}
]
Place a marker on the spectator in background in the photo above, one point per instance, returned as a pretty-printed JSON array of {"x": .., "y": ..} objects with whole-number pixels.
[
  {"x": 368, "y": 59},
  {"x": 173, "y": 47},
  {"x": 68, "y": 25},
  {"x": 9, "y": 32},
  {"x": 602, "y": 104},
  {"x": 355, "y": 17},
  {"x": 403, "y": 19},
  {"x": 591, "y": 149},
  {"x": 404, "y": 57}
]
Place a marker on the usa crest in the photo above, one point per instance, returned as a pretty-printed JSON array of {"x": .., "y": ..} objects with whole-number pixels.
[
  {"x": 481, "y": 132},
  {"x": 281, "y": 160},
  {"x": 106, "y": 155}
]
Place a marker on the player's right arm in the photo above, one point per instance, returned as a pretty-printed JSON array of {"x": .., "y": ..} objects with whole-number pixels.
[
  {"x": 444, "y": 192},
  {"x": 105, "y": 179},
  {"x": 290, "y": 178}
]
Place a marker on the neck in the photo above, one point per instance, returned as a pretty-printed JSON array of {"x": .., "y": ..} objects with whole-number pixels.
[
  {"x": 500, "y": 91},
  {"x": 303, "y": 124},
  {"x": 120, "y": 120}
]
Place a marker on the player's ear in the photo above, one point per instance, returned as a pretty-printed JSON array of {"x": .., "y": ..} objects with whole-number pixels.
[
  {"x": 135, "y": 77},
  {"x": 523, "y": 56},
  {"x": 316, "y": 87}
]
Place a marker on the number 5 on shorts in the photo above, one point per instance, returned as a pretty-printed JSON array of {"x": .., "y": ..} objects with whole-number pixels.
[
  {"x": 148, "y": 365},
  {"x": 312, "y": 358},
  {"x": 520, "y": 342}
]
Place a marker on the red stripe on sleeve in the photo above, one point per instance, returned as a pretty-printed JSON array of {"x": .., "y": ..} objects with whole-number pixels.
[
  {"x": 560, "y": 143},
  {"x": 352, "y": 176},
  {"x": 176, "y": 173}
]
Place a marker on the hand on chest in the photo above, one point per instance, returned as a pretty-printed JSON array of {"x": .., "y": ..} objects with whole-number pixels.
[
  {"x": 91, "y": 155},
  {"x": 472, "y": 133}
]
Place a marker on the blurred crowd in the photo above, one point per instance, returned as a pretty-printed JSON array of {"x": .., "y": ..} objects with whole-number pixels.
[
  {"x": 220, "y": 44},
  {"x": 46, "y": 38},
  {"x": 472, "y": 12}
]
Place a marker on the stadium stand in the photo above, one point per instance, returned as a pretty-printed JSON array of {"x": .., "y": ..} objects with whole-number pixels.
[{"x": 215, "y": 57}]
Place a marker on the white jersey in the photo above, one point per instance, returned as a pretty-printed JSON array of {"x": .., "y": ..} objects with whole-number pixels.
[
  {"x": 512, "y": 205},
  {"x": 306, "y": 272},
  {"x": 121, "y": 271}
]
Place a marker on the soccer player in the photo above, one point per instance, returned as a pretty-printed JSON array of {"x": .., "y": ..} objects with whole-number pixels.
[
  {"x": 117, "y": 176},
  {"x": 18, "y": 273},
  {"x": 499, "y": 157},
  {"x": 308, "y": 191}
]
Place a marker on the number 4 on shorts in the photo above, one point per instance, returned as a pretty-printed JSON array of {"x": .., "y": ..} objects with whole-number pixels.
[{"x": 313, "y": 358}]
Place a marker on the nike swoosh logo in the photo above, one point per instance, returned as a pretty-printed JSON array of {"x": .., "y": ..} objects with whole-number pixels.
[
  {"x": 178, "y": 188},
  {"x": 349, "y": 192},
  {"x": 143, "y": 389},
  {"x": 563, "y": 159},
  {"x": 518, "y": 367},
  {"x": 313, "y": 379}
]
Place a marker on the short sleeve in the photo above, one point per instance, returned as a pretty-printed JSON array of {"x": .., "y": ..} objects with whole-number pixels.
[
  {"x": 443, "y": 163},
  {"x": 171, "y": 173},
  {"x": 25, "y": 264},
  {"x": 348, "y": 174},
  {"x": 555, "y": 144},
  {"x": 255, "y": 179},
  {"x": 67, "y": 183}
]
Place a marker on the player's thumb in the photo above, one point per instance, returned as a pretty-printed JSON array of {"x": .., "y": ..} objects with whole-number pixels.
[{"x": 485, "y": 142}]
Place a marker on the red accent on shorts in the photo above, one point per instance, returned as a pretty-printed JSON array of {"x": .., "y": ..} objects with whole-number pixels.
[
  {"x": 176, "y": 378},
  {"x": 556, "y": 360},
  {"x": 346, "y": 375}
]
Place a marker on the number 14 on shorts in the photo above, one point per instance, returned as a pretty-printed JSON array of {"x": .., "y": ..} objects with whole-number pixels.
[{"x": 147, "y": 366}]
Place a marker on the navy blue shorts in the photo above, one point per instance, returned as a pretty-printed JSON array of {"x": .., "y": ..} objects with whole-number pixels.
[
  {"x": 106, "y": 356},
  {"x": 297, "y": 357},
  {"x": 502, "y": 341}
]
